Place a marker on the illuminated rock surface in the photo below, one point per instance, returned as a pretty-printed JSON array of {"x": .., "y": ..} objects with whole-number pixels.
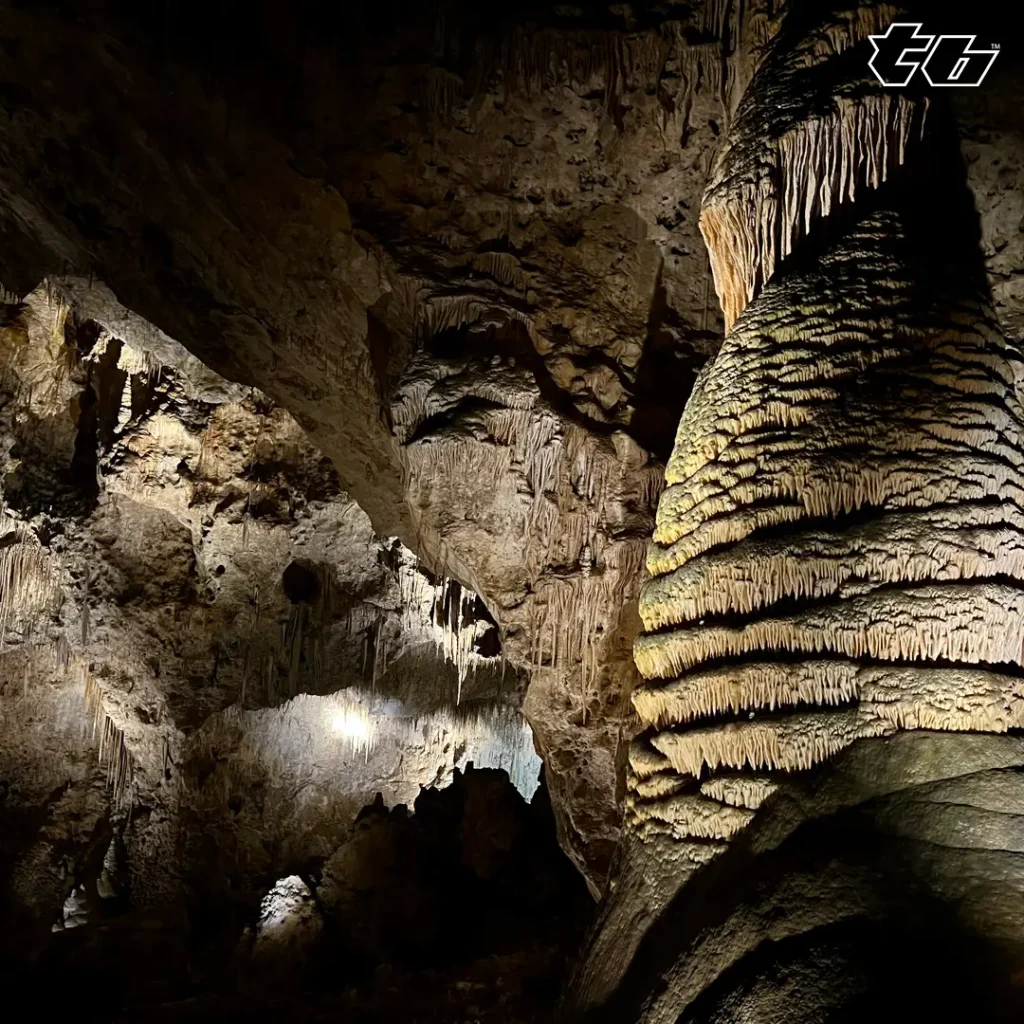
[{"x": 342, "y": 361}]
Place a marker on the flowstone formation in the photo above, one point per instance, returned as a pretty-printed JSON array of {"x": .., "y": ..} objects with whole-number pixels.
[
  {"x": 371, "y": 236},
  {"x": 486, "y": 191},
  {"x": 838, "y": 543},
  {"x": 439, "y": 287},
  {"x": 837, "y": 555}
]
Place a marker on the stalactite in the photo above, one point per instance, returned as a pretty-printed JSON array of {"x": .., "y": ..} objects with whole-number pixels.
[
  {"x": 644, "y": 761},
  {"x": 973, "y": 542},
  {"x": 652, "y": 483},
  {"x": 138, "y": 363},
  {"x": 567, "y": 617},
  {"x": 112, "y": 748},
  {"x": 892, "y": 624},
  {"x": 133, "y": 363},
  {"x": 29, "y": 580},
  {"x": 958, "y": 699},
  {"x": 458, "y": 458},
  {"x": 748, "y": 791},
  {"x": 504, "y": 268},
  {"x": 60, "y": 653},
  {"x": 819, "y": 164},
  {"x": 785, "y": 161},
  {"x": 742, "y": 687},
  {"x": 698, "y": 816},
  {"x": 443, "y": 91},
  {"x": 447, "y": 312},
  {"x": 454, "y": 627},
  {"x": 658, "y": 785},
  {"x": 795, "y": 743},
  {"x": 441, "y": 612},
  {"x": 529, "y": 61},
  {"x": 292, "y": 641},
  {"x": 351, "y": 725}
]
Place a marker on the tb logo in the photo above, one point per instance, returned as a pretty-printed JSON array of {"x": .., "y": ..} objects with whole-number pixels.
[{"x": 944, "y": 60}]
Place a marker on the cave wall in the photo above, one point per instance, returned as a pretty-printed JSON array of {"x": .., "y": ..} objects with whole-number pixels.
[
  {"x": 208, "y": 656},
  {"x": 460, "y": 249}
]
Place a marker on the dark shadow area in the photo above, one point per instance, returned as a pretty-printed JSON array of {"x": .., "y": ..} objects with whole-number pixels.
[
  {"x": 465, "y": 908},
  {"x": 849, "y": 928},
  {"x": 673, "y": 354},
  {"x": 857, "y": 970}
]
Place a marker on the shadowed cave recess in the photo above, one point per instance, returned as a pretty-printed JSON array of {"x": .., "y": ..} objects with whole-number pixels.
[{"x": 510, "y": 513}]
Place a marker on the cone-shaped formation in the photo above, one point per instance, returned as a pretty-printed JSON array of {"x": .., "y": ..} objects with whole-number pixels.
[{"x": 839, "y": 550}]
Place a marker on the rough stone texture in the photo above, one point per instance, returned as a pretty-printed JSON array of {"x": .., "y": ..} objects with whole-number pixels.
[
  {"x": 992, "y": 142},
  {"x": 464, "y": 910},
  {"x": 252, "y": 257},
  {"x": 901, "y": 851},
  {"x": 843, "y": 491},
  {"x": 836, "y": 556},
  {"x": 208, "y": 652},
  {"x": 462, "y": 252},
  {"x": 466, "y": 188}
]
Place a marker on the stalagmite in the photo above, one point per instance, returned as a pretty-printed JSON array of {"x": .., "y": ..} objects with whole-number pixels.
[{"x": 839, "y": 548}]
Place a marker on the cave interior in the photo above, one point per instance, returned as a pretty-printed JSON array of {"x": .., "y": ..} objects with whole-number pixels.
[{"x": 344, "y": 353}]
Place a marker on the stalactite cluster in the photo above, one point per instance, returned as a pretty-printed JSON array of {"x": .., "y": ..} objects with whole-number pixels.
[
  {"x": 449, "y": 611},
  {"x": 29, "y": 582},
  {"x": 279, "y": 667},
  {"x": 564, "y": 485},
  {"x": 111, "y": 747},
  {"x": 712, "y": 46},
  {"x": 788, "y": 162},
  {"x": 348, "y": 726}
]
